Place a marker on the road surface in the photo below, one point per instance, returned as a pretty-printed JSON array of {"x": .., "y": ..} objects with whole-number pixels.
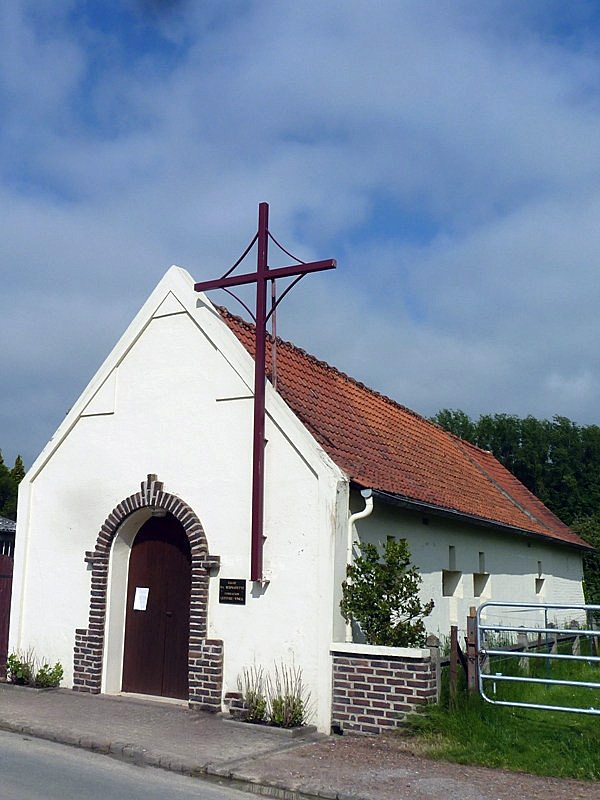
[{"x": 35, "y": 769}]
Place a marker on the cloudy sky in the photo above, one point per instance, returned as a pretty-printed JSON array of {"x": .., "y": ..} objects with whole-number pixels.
[{"x": 446, "y": 153}]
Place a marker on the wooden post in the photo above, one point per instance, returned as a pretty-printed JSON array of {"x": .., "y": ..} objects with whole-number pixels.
[
  {"x": 472, "y": 676},
  {"x": 453, "y": 660}
]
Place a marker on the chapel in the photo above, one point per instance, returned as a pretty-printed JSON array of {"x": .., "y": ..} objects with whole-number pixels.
[{"x": 132, "y": 558}]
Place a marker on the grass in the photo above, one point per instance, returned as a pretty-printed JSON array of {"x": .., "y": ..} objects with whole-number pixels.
[{"x": 551, "y": 743}]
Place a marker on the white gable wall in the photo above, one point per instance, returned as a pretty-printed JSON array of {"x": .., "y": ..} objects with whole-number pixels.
[
  {"x": 510, "y": 559},
  {"x": 174, "y": 399}
]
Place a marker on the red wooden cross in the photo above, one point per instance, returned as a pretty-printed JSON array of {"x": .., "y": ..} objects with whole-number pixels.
[{"x": 260, "y": 277}]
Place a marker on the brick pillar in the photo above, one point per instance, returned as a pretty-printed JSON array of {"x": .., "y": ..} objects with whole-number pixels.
[{"x": 206, "y": 676}]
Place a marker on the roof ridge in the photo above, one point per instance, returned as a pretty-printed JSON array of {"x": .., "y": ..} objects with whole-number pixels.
[
  {"x": 251, "y": 326},
  {"x": 466, "y": 441}
]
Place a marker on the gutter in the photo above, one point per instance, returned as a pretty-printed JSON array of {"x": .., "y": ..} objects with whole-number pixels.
[{"x": 448, "y": 513}]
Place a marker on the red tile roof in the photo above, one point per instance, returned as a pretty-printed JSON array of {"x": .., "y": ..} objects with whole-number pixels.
[{"x": 385, "y": 446}]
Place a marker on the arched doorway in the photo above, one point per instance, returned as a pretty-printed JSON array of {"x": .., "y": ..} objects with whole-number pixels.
[
  {"x": 98, "y": 652},
  {"x": 157, "y": 625}
]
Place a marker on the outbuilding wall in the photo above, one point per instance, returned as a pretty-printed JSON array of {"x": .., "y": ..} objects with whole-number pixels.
[{"x": 515, "y": 567}]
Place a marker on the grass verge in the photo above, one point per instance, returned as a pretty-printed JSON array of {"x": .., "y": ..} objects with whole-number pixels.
[{"x": 551, "y": 743}]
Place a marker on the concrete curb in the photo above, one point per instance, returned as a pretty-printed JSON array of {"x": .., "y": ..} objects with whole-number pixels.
[
  {"x": 302, "y": 732},
  {"x": 224, "y": 773}
]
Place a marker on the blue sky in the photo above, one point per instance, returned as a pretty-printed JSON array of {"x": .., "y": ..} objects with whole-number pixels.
[{"x": 446, "y": 153}]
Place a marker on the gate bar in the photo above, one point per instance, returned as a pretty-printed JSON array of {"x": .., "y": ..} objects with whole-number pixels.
[
  {"x": 548, "y": 681},
  {"x": 523, "y": 629},
  {"x": 529, "y": 654},
  {"x": 595, "y": 711}
]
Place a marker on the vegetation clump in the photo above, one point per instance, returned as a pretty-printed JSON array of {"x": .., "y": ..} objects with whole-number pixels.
[
  {"x": 281, "y": 699},
  {"x": 251, "y": 684},
  {"x": 9, "y": 484},
  {"x": 288, "y": 697},
  {"x": 382, "y": 596},
  {"x": 23, "y": 669}
]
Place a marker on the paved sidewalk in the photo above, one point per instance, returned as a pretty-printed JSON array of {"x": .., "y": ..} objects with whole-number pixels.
[{"x": 261, "y": 760}]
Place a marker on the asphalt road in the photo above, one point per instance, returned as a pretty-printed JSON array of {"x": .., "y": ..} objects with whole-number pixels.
[{"x": 35, "y": 769}]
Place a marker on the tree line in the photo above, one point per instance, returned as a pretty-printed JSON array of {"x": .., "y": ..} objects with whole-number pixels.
[
  {"x": 9, "y": 484},
  {"x": 557, "y": 460}
]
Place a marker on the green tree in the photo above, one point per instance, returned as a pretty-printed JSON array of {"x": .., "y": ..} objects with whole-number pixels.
[
  {"x": 18, "y": 471},
  {"x": 382, "y": 596},
  {"x": 589, "y": 529},
  {"x": 558, "y": 460},
  {"x": 456, "y": 422},
  {"x": 9, "y": 484}
]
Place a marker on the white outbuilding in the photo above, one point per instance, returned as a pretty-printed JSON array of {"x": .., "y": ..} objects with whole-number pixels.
[{"x": 133, "y": 539}]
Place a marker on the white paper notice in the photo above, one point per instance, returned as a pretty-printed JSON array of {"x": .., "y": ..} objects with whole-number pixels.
[{"x": 140, "y": 601}]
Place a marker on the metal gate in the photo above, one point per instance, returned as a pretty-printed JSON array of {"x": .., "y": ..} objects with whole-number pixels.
[{"x": 549, "y": 637}]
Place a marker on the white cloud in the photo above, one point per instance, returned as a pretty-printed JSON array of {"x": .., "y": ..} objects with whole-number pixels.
[{"x": 447, "y": 153}]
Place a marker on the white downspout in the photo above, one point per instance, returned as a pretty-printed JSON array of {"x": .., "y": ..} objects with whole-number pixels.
[{"x": 367, "y": 494}]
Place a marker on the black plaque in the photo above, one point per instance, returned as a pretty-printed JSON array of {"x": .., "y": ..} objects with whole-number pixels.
[{"x": 232, "y": 591}]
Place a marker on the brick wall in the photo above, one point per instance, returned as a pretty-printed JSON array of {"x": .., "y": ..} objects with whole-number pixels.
[{"x": 374, "y": 687}]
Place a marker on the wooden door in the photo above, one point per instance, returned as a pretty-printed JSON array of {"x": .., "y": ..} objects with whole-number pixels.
[
  {"x": 6, "y": 573},
  {"x": 155, "y": 658}
]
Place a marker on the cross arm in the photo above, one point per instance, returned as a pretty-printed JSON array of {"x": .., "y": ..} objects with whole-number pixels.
[{"x": 269, "y": 274}]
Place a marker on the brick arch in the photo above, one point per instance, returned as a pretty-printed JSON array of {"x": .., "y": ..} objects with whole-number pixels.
[{"x": 205, "y": 671}]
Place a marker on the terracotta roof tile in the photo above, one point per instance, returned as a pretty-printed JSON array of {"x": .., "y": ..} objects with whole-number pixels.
[{"x": 383, "y": 445}]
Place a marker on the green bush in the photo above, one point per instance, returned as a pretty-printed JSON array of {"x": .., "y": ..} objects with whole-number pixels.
[
  {"x": 382, "y": 595},
  {"x": 48, "y": 676},
  {"x": 22, "y": 669},
  {"x": 288, "y": 697},
  {"x": 281, "y": 699},
  {"x": 252, "y": 686}
]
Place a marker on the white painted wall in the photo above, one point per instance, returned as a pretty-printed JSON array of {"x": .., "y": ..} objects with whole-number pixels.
[
  {"x": 511, "y": 561},
  {"x": 174, "y": 399}
]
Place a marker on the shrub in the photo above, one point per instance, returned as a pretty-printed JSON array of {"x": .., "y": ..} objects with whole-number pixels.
[
  {"x": 382, "y": 595},
  {"x": 22, "y": 669},
  {"x": 288, "y": 697},
  {"x": 252, "y": 687},
  {"x": 281, "y": 699},
  {"x": 47, "y": 676}
]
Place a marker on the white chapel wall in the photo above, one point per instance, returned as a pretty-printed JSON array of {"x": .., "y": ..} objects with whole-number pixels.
[{"x": 182, "y": 410}]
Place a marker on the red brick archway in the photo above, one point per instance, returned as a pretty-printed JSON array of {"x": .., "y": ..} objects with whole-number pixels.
[{"x": 205, "y": 655}]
